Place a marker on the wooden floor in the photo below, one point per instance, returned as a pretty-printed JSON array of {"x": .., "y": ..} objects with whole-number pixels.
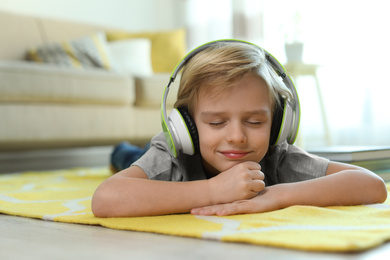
[{"x": 24, "y": 238}]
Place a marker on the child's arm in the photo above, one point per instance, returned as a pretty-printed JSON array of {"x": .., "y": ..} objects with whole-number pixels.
[
  {"x": 343, "y": 185},
  {"x": 131, "y": 193}
]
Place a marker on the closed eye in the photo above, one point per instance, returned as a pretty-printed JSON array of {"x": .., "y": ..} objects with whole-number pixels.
[
  {"x": 254, "y": 122},
  {"x": 216, "y": 123}
]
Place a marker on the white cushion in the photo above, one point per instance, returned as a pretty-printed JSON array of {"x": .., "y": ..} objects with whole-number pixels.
[{"x": 133, "y": 56}]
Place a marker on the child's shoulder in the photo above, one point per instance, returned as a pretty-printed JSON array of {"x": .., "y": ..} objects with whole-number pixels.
[
  {"x": 285, "y": 152},
  {"x": 160, "y": 141}
]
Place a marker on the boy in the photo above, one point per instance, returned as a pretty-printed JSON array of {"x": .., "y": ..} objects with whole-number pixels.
[{"x": 232, "y": 94}]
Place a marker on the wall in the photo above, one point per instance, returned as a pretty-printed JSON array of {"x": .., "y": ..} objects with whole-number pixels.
[{"x": 125, "y": 14}]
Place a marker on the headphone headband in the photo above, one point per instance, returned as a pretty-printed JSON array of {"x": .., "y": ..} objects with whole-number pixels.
[{"x": 178, "y": 135}]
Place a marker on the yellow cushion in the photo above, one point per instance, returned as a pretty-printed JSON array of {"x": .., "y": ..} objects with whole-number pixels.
[
  {"x": 168, "y": 47},
  {"x": 85, "y": 52}
]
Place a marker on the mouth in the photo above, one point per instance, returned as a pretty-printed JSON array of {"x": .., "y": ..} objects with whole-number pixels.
[{"x": 232, "y": 154}]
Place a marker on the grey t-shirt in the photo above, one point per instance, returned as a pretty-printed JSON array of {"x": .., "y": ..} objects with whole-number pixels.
[{"x": 283, "y": 163}]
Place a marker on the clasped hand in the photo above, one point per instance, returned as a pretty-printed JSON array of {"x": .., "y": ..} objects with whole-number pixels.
[
  {"x": 241, "y": 190},
  {"x": 242, "y": 181}
]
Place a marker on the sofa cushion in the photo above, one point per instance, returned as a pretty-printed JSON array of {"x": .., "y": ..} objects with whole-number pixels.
[
  {"x": 133, "y": 56},
  {"x": 59, "y": 30},
  {"x": 168, "y": 47},
  {"x": 86, "y": 52},
  {"x": 18, "y": 32},
  {"x": 149, "y": 90},
  {"x": 25, "y": 126},
  {"x": 34, "y": 82}
]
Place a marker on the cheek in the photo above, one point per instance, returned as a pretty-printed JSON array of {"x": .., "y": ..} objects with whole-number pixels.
[
  {"x": 260, "y": 142},
  {"x": 208, "y": 142},
  {"x": 206, "y": 137},
  {"x": 262, "y": 152}
]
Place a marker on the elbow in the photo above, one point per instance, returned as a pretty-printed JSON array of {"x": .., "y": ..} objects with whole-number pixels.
[
  {"x": 383, "y": 195},
  {"x": 97, "y": 207},
  {"x": 101, "y": 204},
  {"x": 380, "y": 191},
  {"x": 106, "y": 203}
]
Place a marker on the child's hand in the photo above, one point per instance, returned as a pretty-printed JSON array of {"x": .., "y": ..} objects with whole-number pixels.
[
  {"x": 265, "y": 201},
  {"x": 242, "y": 181}
]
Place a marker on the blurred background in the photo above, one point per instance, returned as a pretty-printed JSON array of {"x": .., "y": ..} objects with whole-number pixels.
[{"x": 344, "y": 44}]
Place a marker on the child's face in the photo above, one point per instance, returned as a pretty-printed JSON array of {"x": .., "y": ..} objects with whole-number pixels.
[{"x": 235, "y": 126}]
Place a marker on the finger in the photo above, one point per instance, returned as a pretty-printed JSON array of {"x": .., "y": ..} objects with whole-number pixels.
[
  {"x": 207, "y": 211},
  {"x": 253, "y": 165},
  {"x": 238, "y": 207},
  {"x": 257, "y": 175},
  {"x": 219, "y": 210},
  {"x": 257, "y": 186}
]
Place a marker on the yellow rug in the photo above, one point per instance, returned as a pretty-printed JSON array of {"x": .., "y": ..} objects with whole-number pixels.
[{"x": 65, "y": 196}]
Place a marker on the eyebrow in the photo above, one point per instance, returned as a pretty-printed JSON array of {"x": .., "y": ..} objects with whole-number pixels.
[{"x": 248, "y": 113}]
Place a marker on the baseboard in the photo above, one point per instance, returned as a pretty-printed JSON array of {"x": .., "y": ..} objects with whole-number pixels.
[{"x": 52, "y": 159}]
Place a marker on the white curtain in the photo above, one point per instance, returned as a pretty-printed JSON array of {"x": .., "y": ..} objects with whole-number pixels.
[
  {"x": 347, "y": 40},
  {"x": 208, "y": 20}
]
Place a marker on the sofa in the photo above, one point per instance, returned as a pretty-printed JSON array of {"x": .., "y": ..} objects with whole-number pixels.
[{"x": 63, "y": 104}]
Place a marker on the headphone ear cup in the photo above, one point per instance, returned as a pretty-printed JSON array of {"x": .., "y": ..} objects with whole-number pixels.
[
  {"x": 191, "y": 126},
  {"x": 283, "y": 126},
  {"x": 277, "y": 123}
]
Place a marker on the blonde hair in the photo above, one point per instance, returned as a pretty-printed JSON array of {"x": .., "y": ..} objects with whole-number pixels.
[{"x": 223, "y": 64}]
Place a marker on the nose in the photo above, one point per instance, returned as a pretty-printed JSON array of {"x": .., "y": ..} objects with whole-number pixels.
[{"x": 236, "y": 133}]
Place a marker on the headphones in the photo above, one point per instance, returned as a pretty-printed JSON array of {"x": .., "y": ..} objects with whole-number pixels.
[{"x": 180, "y": 129}]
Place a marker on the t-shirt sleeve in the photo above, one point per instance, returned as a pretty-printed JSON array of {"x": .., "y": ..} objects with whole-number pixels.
[
  {"x": 289, "y": 163},
  {"x": 157, "y": 162}
]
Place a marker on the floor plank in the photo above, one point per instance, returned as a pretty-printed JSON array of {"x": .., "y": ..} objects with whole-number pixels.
[{"x": 24, "y": 238}]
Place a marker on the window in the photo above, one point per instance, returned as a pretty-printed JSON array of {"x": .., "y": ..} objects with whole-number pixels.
[{"x": 347, "y": 39}]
